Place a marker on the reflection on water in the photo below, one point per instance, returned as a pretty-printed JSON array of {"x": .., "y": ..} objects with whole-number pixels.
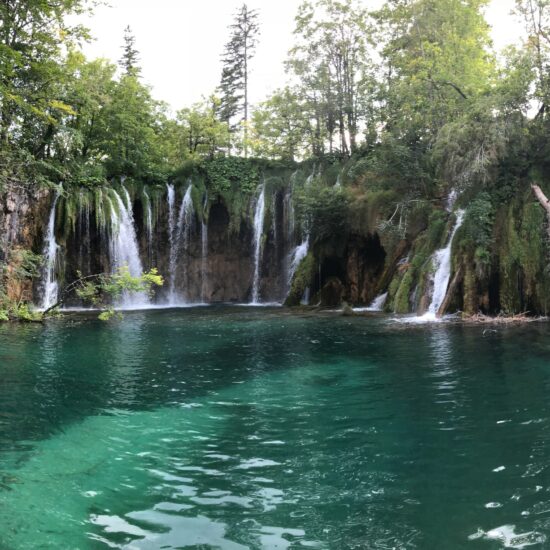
[{"x": 247, "y": 428}]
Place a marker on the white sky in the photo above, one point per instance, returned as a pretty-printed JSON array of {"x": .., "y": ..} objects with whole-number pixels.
[{"x": 180, "y": 41}]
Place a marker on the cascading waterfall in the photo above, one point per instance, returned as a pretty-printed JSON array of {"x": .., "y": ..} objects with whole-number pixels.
[
  {"x": 378, "y": 303},
  {"x": 442, "y": 264},
  {"x": 84, "y": 233},
  {"x": 259, "y": 214},
  {"x": 183, "y": 230},
  {"x": 149, "y": 225},
  {"x": 51, "y": 248},
  {"x": 178, "y": 230},
  {"x": 296, "y": 257},
  {"x": 204, "y": 252},
  {"x": 171, "y": 193},
  {"x": 124, "y": 249},
  {"x": 185, "y": 218},
  {"x": 288, "y": 208}
]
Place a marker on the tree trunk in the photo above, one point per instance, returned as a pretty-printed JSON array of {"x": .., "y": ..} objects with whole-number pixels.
[
  {"x": 450, "y": 291},
  {"x": 545, "y": 203}
]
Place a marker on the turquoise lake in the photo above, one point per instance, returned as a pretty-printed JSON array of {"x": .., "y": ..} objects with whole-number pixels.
[{"x": 234, "y": 428}]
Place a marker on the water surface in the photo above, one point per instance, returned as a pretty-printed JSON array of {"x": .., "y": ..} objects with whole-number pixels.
[{"x": 253, "y": 428}]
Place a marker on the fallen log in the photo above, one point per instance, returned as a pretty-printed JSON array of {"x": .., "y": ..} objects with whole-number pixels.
[
  {"x": 450, "y": 291},
  {"x": 544, "y": 202}
]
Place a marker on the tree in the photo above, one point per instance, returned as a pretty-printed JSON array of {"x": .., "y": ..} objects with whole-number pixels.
[
  {"x": 199, "y": 132},
  {"x": 238, "y": 52},
  {"x": 100, "y": 289},
  {"x": 279, "y": 129},
  {"x": 32, "y": 36},
  {"x": 129, "y": 61},
  {"x": 331, "y": 61},
  {"x": 133, "y": 137},
  {"x": 436, "y": 60}
]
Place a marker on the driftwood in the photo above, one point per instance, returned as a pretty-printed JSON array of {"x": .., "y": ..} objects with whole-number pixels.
[{"x": 520, "y": 318}]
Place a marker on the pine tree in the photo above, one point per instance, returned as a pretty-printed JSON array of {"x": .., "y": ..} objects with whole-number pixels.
[
  {"x": 239, "y": 50},
  {"x": 130, "y": 56}
]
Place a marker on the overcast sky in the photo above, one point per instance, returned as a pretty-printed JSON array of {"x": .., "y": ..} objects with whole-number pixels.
[{"x": 180, "y": 41}]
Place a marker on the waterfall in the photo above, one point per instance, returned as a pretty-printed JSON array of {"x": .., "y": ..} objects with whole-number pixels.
[
  {"x": 127, "y": 197},
  {"x": 296, "y": 257},
  {"x": 171, "y": 239},
  {"x": 185, "y": 218},
  {"x": 204, "y": 250},
  {"x": 451, "y": 199},
  {"x": 149, "y": 226},
  {"x": 378, "y": 303},
  {"x": 124, "y": 249},
  {"x": 257, "y": 243},
  {"x": 183, "y": 230},
  {"x": 50, "y": 252},
  {"x": 204, "y": 258},
  {"x": 178, "y": 230},
  {"x": 442, "y": 263}
]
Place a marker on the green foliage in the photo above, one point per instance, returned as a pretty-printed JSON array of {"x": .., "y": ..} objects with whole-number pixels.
[
  {"x": 109, "y": 314},
  {"x": 476, "y": 233},
  {"x": 324, "y": 211},
  {"x": 333, "y": 68},
  {"x": 25, "y": 264},
  {"x": 303, "y": 278},
  {"x": 278, "y": 126},
  {"x": 17, "y": 310},
  {"x": 198, "y": 133},
  {"x": 234, "y": 174},
  {"x": 401, "y": 302},
  {"x": 438, "y": 51},
  {"x": 97, "y": 289},
  {"x": 23, "y": 312}
]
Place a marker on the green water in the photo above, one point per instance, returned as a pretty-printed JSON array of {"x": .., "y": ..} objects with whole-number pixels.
[{"x": 243, "y": 428}]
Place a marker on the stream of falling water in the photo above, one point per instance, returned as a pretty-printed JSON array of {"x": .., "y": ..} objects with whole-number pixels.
[
  {"x": 204, "y": 251},
  {"x": 149, "y": 226},
  {"x": 124, "y": 250},
  {"x": 183, "y": 234},
  {"x": 171, "y": 195},
  {"x": 259, "y": 214},
  {"x": 296, "y": 257},
  {"x": 51, "y": 248},
  {"x": 378, "y": 303},
  {"x": 442, "y": 263}
]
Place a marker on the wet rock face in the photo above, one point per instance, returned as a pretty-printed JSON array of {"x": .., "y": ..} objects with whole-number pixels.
[
  {"x": 22, "y": 211},
  {"x": 364, "y": 266},
  {"x": 332, "y": 293}
]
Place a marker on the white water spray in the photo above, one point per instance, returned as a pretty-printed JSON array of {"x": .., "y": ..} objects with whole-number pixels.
[
  {"x": 185, "y": 218},
  {"x": 257, "y": 242},
  {"x": 180, "y": 232},
  {"x": 50, "y": 252},
  {"x": 442, "y": 264},
  {"x": 204, "y": 251},
  {"x": 171, "y": 193},
  {"x": 124, "y": 249},
  {"x": 296, "y": 257},
  {"x": 149, "y": 225},
  {"x": 378, "y": 303}
]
